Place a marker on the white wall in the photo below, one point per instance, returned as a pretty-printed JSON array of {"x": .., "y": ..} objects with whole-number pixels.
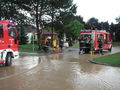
[{"x": 30, "y": 37}]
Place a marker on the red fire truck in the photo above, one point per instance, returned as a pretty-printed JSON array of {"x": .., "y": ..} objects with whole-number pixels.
[
  {"x": 8, "y": 42},
  {"x": 89, "y": 40}
]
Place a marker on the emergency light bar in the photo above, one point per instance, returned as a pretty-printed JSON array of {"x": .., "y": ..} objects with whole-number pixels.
[{"x": 10, "y": 21}]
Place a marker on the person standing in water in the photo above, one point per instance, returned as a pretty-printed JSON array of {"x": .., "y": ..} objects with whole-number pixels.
[{"x": 100, "y": 46}]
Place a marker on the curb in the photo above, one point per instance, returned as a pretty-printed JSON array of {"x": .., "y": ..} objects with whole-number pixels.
[
  {"x": 103, "y": 63},
  {"x": 92, "y": 61},
  {"x": 97, "y": 62}
]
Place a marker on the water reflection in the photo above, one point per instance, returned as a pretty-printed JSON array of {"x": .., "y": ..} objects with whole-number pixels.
[
  {"x": 22, "y": 65},
  {"x": 56, "y": 56}
]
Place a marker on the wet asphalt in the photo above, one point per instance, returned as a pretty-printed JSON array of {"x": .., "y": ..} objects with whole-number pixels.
[{"x": 60, "y": 71}]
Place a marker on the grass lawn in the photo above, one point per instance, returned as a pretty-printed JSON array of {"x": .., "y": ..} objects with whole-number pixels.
[
  {"x": 28, "y": 48},
  {"x": 113, "y": 59}
]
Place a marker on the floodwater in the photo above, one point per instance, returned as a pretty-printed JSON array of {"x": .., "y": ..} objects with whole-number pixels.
[{"x": 64, "y": 71}]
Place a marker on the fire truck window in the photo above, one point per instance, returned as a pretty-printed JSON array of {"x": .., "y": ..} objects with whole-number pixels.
[
  {"x": 100, "y": 36},
  {"x": 1, "y": 31},
  {"x": 11, "y": 31}
]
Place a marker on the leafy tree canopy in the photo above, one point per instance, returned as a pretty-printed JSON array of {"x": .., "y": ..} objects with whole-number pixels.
[{"x": 73, "y": 28}]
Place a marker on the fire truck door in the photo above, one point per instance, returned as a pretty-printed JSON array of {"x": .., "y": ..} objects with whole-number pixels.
[
  {"x": 106, "y": 41},
  {"x": 12, "y": 37},
  {"x": 2, "y": 41}
]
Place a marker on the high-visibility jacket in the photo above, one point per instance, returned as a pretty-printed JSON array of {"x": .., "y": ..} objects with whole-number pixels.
[{"x": 54, "y": 43}]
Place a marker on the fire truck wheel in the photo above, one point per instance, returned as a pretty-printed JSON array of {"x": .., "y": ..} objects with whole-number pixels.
[{"x": 8, "y": 59}]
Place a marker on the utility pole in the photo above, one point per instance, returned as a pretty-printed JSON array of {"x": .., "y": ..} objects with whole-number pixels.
[
  {"x": 52, "y": 3},
  {"x": 33, "y": 41}
]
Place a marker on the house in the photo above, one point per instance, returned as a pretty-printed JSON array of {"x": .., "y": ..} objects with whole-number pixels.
[{"x": 31, "y": 31}]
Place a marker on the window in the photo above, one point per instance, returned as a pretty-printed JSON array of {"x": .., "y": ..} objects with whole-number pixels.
[
  {"x": 100, "y": 36},
  {"x": 11, "y": 31},
  {"x": 1, "y": 30}
]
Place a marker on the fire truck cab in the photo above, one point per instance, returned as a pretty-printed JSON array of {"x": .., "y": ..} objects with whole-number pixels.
[
  {"x": 8, "y": 42},
  {"x": 89, "y": 40}
]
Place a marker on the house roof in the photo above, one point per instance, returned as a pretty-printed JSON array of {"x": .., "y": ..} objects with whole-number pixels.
[
  {"x": 46, "y": 32},
  {"x": 30, "y": 29}
]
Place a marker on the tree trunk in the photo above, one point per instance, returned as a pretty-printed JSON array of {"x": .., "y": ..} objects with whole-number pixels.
[
  {"x": 39, "y": 24},
  {"x": 38, "y": 29}
]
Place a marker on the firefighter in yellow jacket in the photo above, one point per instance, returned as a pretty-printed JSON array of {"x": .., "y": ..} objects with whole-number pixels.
[{"x": 54, "y": 43}]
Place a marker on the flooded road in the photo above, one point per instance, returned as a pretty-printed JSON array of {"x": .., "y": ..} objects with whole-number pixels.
[{"x": 64, "y": 71}]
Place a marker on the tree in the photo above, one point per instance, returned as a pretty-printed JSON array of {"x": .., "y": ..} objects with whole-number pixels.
[
  {"x": 92, "y": 23},
  {"x": 23, "y": 38},
  {"x": 11, "y": 9},
  {"x": 113, "y": 30},
  {"x": 39, "y": 10},
  {"x": 63, "y": 17},
  {"x": 104, "y": 25},
  {"x": 80, "y": 19},
  {"x": 73, "y": 29},
  {"x": 118, "y": 19},
  {"x": 116, "y": 29}
]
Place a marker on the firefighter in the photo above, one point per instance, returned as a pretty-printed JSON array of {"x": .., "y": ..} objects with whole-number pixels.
[
  {"x": 100, "y": 45},
  {"x": 46, "y": 45},
  {"x": 61, "y": 43},
  {"x": 81, "y": 44}
]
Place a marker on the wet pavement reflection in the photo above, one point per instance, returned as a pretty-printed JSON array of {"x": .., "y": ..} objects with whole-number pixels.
[{"x": 63, "y": 71}]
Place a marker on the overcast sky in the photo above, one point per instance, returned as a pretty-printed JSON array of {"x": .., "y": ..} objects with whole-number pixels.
[{"x": 103, "y": 10}]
